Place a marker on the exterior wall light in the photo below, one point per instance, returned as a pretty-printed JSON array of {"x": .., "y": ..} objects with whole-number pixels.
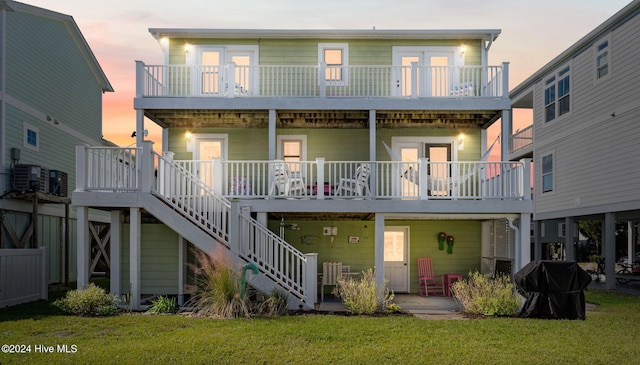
[{"x": 461, "y": 142}]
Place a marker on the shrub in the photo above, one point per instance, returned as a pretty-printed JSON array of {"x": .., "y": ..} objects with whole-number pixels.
[
  {"x": 92, "y": 301},
  {"x": 361, "y": 296},
  {"x": 479, "y": 294},
  {"x": 217, "y": 292},
  {"x": 163, "y": 305},
  {"x": 274, "y": 304}
]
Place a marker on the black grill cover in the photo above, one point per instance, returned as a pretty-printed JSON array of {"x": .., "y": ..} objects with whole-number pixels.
[{"x": 553, "y": 289}]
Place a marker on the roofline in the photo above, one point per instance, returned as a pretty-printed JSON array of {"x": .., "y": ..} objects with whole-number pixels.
[
  {"x": 483, "y": 34},
  {"x": 628, "y": 11},
  {"x": 75, "y": 32}
]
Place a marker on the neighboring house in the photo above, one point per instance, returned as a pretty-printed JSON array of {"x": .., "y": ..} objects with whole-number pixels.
[
  {"x": 585, "y": 133},
  {"x": 290, "y": 148},
  {"x": 51, "y": 90}
]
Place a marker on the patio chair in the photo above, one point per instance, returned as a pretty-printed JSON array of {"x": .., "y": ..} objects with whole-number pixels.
[
  {"x": 331, "y": 271},
  {"x": 357, "y": 185},
  {"x": 284, "y": 183},
  {"x": 429, "y": 283}
]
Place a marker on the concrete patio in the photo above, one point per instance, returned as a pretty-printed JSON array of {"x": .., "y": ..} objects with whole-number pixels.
[{"x": 432, "y": 307}]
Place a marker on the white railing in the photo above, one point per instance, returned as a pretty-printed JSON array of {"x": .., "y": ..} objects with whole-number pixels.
[
  {"x": 385, "y": 180},
  {"x": 321, "y": 81},
  {"x": 280, "y": 261},
  {"x": 108, "y": 168},
  {"x": 190, "y": 195},
  {"x": 521, "y": 139},
  {"x": 185, "y": 186}
]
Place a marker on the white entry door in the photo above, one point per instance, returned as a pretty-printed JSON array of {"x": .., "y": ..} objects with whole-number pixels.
[{"x": 396, "y": 258}]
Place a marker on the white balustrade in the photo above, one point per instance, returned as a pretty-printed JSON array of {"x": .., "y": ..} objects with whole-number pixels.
[{"x": 361, "y": 81}]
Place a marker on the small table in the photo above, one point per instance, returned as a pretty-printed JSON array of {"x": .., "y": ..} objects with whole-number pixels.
[
  {"x": 451, "y": 278},
  {"x": 328, "y": 189}
]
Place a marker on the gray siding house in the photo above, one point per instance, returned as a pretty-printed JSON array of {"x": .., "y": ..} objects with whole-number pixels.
[
  {"x": 51, "y": 88},
  {"x": 585, "y": 133}
]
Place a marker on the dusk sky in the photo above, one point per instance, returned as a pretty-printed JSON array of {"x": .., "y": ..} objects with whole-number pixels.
[{"x": 533, "y": 32}]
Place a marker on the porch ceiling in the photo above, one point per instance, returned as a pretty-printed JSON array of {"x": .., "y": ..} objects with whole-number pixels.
[{"x": 198, "y": 118}]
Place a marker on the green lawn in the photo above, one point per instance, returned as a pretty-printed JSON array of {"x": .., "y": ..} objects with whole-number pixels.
[{"x": 609, "y": 335}]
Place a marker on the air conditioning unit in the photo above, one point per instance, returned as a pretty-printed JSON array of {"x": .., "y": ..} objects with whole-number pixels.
[
  {"x": 31, "y": 178},
  {"x": 58, "y": 183}
]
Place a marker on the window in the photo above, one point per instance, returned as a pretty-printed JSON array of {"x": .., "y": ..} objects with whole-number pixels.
[
  {"x": 557, "y": 101},
  {"x": 547, "y": 173},
  {"x": 562, "y": 230},
  {"x": 602, "y": 59},
  {"x": 31, "y": 139},
  {"x": 335, "y": 56},
  {"x": 292, "y": 149}
]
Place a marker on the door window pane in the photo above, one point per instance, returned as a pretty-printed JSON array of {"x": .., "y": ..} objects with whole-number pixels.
[{"x": 394, "y": 246}]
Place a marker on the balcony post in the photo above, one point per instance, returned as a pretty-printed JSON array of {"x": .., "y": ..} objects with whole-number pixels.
[
  {"x": 164, "y": 173},
  {"x": 322, "y": 79},
  {"x": 423, "y": 178},
  {"x": 218, "y": 176},
  {"x": 526, "y": 178},
  {"x": 139, "y": 79},
  {"x": 81, "y": 167},
  {"x": 320, "y": 179},
  {"x": 414, "y": 80},
  {"x": 505, "y": 80},
  {"x": 230, "y": 76},
  {"x": 145, "y": 167},
  {"x": 311, "y": 278}
]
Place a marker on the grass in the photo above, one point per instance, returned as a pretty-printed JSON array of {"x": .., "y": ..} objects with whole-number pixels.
[{"x": 609, "y": 335}]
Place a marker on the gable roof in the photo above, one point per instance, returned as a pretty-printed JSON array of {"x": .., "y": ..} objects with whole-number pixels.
[
  {"x": 488, "y": 35},
  {"x": 74, "y": 31},
  {"x": 585, "y": 42}
]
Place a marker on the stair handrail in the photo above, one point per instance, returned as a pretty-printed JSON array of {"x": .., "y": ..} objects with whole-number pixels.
[
  {"x": 187, "y": 193},
  {"x": 275, "y": 257}
]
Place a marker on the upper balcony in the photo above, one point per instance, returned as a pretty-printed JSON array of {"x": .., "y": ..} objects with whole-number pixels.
[{"x": 320, "y": 86}]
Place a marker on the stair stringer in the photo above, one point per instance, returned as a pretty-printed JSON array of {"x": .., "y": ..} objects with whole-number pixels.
[{"x": 207, "y": 243}]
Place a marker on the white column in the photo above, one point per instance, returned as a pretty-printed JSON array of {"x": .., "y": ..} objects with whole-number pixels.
[
  {"x": 134, "y": 256},
  {"x": 569, "y": 250},
  {"x": 311, "y": 275},
  {"x": 181, "y": 268},
  {"x": 115, "y": 247},
  {"x": 83, "y": 241},
  {"x": 631, "y": 254},
  {"x": 505, "y": 133},
  {"x": 537, "y": 244},
  {"x": 609, "y": 243},
  {"x": 525, "y": 239},
  {"x": 272, "y": 134},
  {"x": 372, "y": 152},
  {"x": 139, "y": 127},
  {"x": 379, "y": 250}
]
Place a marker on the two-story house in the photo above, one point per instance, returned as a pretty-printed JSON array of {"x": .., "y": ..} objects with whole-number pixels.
[
  {"x": 290, "y": 148},
  {"x": 51, "y": 88},
  {"x": 584, "y": 135}
]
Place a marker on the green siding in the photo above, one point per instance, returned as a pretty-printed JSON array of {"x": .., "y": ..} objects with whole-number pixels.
[
  {"x": 158, "y": 260},
  {"x": 305, "y": 51},
  {"x": 332, "y": 144},
  {"x": 423, "y": 242},
  {"x": 47, "y": 70}
]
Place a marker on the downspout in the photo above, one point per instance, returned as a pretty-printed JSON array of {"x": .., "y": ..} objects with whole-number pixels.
[{"x": 516, "y": 263}]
